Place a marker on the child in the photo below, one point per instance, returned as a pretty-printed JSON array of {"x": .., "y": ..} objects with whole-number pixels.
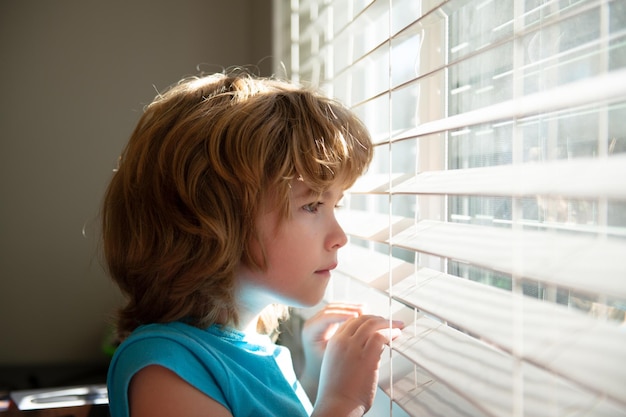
[{"x": 221, "y": 211}]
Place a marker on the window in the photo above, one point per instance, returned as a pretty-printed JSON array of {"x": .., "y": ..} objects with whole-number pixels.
[{"x": 493, "y": 218}]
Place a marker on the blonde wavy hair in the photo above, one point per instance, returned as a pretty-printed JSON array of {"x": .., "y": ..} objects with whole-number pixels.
[{"x": 179, "y": 213}]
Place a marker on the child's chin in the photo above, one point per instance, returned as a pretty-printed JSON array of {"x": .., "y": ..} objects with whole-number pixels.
[{"x": 311, "y": 302}]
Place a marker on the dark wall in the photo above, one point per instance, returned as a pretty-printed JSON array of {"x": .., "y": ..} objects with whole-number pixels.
[{"x": 74, "y": 76}]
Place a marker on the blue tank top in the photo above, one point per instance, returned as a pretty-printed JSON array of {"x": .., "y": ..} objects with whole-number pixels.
[{"x": 246, "y": 373}]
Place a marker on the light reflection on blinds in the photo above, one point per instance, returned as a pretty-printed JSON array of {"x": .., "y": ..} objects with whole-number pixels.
[{"x": 493, "y": 218}]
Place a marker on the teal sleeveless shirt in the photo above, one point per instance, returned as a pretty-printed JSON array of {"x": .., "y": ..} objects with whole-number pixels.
[{"x": 246, "y": 373}]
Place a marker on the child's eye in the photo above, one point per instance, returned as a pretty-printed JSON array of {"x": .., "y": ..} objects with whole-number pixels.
[{"x": 312, "y": 207}]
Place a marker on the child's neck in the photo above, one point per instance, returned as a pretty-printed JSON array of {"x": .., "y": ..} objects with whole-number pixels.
[
  {"x": 248, "y": 322},
  {"x": 251, "y": 301}
]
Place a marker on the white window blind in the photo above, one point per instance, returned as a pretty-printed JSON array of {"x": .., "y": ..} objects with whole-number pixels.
[{"x": 493, "y": 218}]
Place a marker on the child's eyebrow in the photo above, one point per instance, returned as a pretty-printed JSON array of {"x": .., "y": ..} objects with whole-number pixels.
[{"x": 307, "y": 192}]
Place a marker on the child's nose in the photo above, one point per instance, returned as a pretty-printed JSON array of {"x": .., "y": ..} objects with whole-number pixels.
[{"x": 337, "y": 237}]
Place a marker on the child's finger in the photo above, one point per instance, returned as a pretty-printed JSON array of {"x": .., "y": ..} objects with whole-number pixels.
[
  {"x": 390, "y": 333},
  {"x": 368, "y": 324},
  {"x": 323, "y": 326},
  {"x": 345, "y": 306}
]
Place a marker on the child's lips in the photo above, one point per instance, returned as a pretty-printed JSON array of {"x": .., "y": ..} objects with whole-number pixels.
[{"x": 327, "y": 269}]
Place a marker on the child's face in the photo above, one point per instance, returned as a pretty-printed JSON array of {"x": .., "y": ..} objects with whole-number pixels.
[{"x": 300, "y": 250}]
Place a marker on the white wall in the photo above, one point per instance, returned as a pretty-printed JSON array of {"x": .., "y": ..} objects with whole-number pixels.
[{"x": 74, "y": 75}]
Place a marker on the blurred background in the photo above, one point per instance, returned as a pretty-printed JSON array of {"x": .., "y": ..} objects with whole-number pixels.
[{"x": 75, "y": 76}]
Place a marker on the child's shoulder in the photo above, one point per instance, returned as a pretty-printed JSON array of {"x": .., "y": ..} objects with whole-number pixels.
[
  {"x": 179, "y": 347},
  {"x": 175, "y": 336},
  {"x": 156, "y": 343}
]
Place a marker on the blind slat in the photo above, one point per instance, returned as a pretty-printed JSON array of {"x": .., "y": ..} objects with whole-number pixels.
[
  {"x": 419, "y": 392},
  {"x": 578, "y": 178},
  {"x": 575, "y": 262},
  {"x": 487, "y": 377},
  {"x": 602, "y": 89},
  {"x": 372, "y": 226},
  {"x": 373, "y": 268}
]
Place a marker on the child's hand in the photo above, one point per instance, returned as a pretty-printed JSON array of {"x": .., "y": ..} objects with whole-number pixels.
[
  {"x": 349, "y": 372},
  {"x": 316, "y": 333},
  {"x": 318, "y": 330}
]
